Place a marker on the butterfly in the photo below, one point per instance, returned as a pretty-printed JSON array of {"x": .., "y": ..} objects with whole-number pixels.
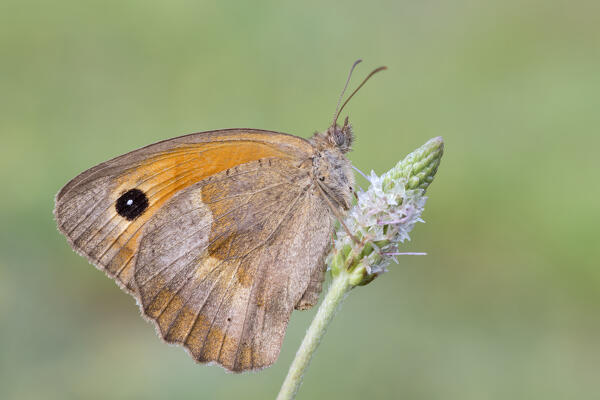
[{"x": 218, "y": 235}]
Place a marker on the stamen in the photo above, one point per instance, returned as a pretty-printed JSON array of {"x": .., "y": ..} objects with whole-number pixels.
[{"x": 360, "y": 172}]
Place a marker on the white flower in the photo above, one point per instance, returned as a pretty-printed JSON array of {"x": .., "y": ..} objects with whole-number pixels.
[{"x": 385, "y": 213}]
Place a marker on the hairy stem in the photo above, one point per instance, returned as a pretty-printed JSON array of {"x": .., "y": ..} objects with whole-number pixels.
[{"x": 340, "y": 285}]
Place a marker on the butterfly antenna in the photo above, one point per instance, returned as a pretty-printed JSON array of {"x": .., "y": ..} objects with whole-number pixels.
[
  {"x": 336, "y": 114},
  {"x": 376, "y": 70}
]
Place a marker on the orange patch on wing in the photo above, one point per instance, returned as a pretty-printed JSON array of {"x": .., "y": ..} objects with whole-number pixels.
[
  {"x": 181, "y": 325},
  {"x": 212, "y": 344},
  {"x": 197, "y": 161},
  {"x": 159, "y": 303},
  {"x": 167, "y": 173},
  {"x": 195, "y": 340},
  {"x": 169, "y": 312},
  {"x": 245, "y": 357},
  {"x": 245, "y": 275},
  {"x": 229, "y": 351}
]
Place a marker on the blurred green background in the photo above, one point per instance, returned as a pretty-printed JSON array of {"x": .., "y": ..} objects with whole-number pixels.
[{"x": 506, "y": 304}]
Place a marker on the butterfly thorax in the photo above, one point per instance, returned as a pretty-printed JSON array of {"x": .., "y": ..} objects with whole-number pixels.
[{"x": 331, "y": 169}]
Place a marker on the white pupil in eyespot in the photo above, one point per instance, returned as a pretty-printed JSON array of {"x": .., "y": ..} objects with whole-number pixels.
[{"x": 129, "y": 202}]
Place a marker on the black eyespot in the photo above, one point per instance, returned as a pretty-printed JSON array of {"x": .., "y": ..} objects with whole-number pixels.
[
  {"x": 132, "y": 204},
  {"x": 322, "y": 178}
]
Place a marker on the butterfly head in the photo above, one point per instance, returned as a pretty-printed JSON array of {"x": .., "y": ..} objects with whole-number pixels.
[
  {"x": 335, "y": 137},
  {"x": 341, "y": 137}
]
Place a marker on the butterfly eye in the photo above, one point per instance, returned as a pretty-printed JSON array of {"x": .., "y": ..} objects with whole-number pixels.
[
  {"x": 132, "y": 204},
  {"x": 322, "y": 178}
]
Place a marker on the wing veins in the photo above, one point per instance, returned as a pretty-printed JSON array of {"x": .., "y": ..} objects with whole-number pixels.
[
  {"x": 247, "y": 193},
  {"x": 237, "y": 352},
  {"x": 208, "y": 244},
  {"x": 118, "y": 272},
  {"x": 212, "y": 288},
  {"x": 217, "y": 219},
  {"x": 186, "y": 281}
]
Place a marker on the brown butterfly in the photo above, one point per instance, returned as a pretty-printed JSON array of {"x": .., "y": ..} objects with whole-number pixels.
[{"x": 218, "y": 235}]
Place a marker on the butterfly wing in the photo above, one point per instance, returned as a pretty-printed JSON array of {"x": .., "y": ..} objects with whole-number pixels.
[
  {"x": 225, "y": 262},
  {"x": 218, "y": 235},
  {"x": 87, "y": 211}
]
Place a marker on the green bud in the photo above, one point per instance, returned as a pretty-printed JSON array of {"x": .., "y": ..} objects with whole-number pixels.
[{"x": 420, "y": 166}]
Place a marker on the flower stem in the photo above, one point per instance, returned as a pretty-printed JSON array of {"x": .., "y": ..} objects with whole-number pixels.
[{"x": 340, "y": 285}]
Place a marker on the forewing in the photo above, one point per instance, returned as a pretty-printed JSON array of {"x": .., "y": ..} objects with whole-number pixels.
[
  {"x": 87, "y": 211},
  {"x": 224, "y": 262}
]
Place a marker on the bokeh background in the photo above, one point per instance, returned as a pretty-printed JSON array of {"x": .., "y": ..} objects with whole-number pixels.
[{"x": 506, "y": 304}]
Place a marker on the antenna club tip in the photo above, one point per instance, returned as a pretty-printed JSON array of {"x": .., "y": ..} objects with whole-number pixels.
[{"x": 339, "y": 109}]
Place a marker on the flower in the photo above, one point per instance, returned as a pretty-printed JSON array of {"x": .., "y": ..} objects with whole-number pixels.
[{"x": 384, "y": 215}]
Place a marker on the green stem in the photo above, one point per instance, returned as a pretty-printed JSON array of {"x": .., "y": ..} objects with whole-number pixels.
[{"x": 340, "y": 285}]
